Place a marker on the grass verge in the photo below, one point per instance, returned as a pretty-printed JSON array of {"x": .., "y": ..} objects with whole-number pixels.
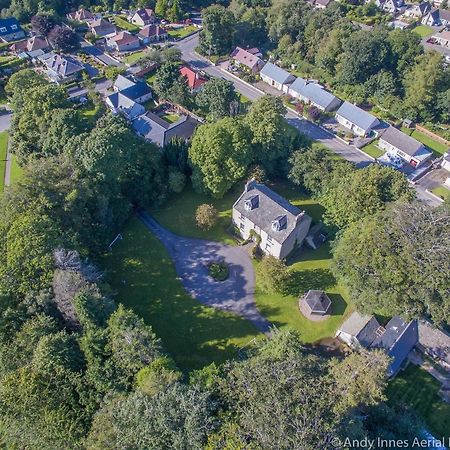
[
  {"x": 3, "y": 152},
  {"x": 441, "y": 191}
]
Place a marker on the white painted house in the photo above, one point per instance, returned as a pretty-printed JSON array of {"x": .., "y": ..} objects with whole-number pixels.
[
  {"x": 277, "y": 77},
  {"x": 281, "y": 226},
  {"x": 358, "y": 330},
  {"x": 315, "y": 95},
  {"x": 356, "y": 119},
  {"x": 400, "y": 144}
]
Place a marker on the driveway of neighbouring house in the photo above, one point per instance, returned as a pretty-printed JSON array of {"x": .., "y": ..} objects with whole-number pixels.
[{"x": 191, "y": 256}]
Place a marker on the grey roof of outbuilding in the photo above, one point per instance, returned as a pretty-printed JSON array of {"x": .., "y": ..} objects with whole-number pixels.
[
  {"x": 317, "y": 95},
  {"x": 122, "y": 83},
  {"x": 297, "y": 85},
  {"x": 276, "y": 73},
  {"x": 402, "y": 141},
  {"x": 357, "y": 116},
  {"x": 362, "y": 327},
  {"x": 317, "y": 301},
  {"x": 270, "y": 206}
]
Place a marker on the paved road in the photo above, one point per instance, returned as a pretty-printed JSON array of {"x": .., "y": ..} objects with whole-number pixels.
[
  {"x": 191, "y": 256},
  {"x": 99, "y": 54},
  {"x": 348, "y": 152},
  {"x": 5, "y": 121}
]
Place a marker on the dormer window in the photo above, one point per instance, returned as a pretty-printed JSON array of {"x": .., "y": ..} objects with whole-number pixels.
[
  {"x": 279, "y": 223},
  {"x": 2, "y": 29},
  {"x": 252, "y": 202},
  {"x": 13, "y": 27}
]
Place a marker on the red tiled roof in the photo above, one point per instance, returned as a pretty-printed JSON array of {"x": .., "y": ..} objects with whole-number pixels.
[{"x": 194, "y": 81}]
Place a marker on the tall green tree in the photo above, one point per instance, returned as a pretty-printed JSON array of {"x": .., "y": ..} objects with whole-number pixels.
[
  {"x": 218, "y": 99},
  {"x": 216, "y": 37}
]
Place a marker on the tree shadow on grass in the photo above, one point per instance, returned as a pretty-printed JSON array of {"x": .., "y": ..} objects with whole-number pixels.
[
  {"x": 304, "y": 280},
  {"x": 338, "y": 305}
]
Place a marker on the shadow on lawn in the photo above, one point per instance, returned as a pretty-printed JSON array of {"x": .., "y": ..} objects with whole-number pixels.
[{"x": 304, "y": 280}]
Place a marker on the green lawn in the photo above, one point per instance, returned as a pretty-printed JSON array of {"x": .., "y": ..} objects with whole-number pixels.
[
  {"x": 142, "y": 273},
  {"x": 423, "y": 30},
  {"x": 150, "y": 78},
  {"x": 437, "y": 148},
  {"x": 372, "y": 150},
  {"x": 171, "y": 118},
  {"x": 16, "y": 170},
  {"x": 181, "y": 33},
  {"x": 418, "y": 389},
  {"x": 3, "y": 152},
  {"x": 9, "y": 62},
  {"x": 123, "y": 23},
  {"x": 441, "y": 191},
  {"x": 135, "y": 57}
]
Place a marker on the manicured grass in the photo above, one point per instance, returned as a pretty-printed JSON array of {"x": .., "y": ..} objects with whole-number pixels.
[
  {"x": 16, "y": 171},
  {"x": 437, "y": 147},
  {"x": 441, "y": 191},
  {"x": 181, "y": 33},
  {"x": 423, "y": 30},
  {"x": 419, "y": 390},
  {"x": 123, "y": 23},
  {"x": 150, "y": 78},
  {"x": 372, "y": 150},
  {"x": 135, "y": 57},
  {"x": 171, "y": 118},
  {"x": 142, "y": 273},
  {"x": 9, "y": 62},
  {"x": 3, "y": 152},
  {"x": 177, "y": 214}
]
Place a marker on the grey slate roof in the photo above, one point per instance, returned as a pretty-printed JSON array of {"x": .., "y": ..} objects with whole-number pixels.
[
  {"x": 317, "y": 301},
  {"x": 297, "y": 85},
  {"x": 357, "y": 116},
  {"x": 11, "y": 26},
  {"x": 363, "y": 328},
  {"x": 398, "y": 340},
  {"x": 317, "y": 95},
  {"x": 64, "y": 66},
  {"x": 402, "y": 141},
  {"x": 270, "y": 206},
  {"x": 435, "y": 341},
  {"x": 157, "y": 130},
  {"x": 122, "y": 103},
  {"x": 122, "y": 83},
  {"x": 276, "y": 73}
]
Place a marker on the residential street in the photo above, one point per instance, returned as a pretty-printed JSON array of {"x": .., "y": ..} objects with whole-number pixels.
[{"x": 348, "y": 152}]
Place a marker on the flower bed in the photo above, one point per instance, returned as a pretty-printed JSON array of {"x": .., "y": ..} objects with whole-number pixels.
[{"x": 219, "y": 271}]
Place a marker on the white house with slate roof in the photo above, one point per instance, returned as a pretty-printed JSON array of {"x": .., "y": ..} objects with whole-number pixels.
[
  {"x": 313, "y": 94},
  {"x": 296, "y": 86},
  {"x": 400, "y": 144},
  {"x": 281, "y": 226},
  {"x": 358, "y": 330},
  {"x": 356, "y": 119},
  {"x": 276, "y": 77}
]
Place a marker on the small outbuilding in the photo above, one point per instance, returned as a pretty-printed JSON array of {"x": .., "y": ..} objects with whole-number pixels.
[{"x": 315, "y": 304}]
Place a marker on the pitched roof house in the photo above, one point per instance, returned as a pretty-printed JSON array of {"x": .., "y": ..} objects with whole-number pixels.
[
  {"x": 152, "y": 33},
  {"x": 358, "y": 330},
  {"x": 121, "y": 104},
  {"x": 247, "y": 59},
  {"x": 136, "y": 90},
  {"x": 356, "y": 119},
  {"x": 101, "y": 28},
  {"x": 82, "y": 15},
  {"x": 194, "y": 80},
  {"x": 62, "y": 68},
  {"x": 400, "y": 144},
  {"x": 142, "y": 17},
  {"x": 10, "y": 30},
  {"x": 397, "y": 340},
  {"x": 296, "y": 86},
  {"x": 281, "y": 226},
  {"x": 315, "y": 95},
  {"x": 321, "y": 4},
  {"x": 443, "y": 38},
  {"x": 418, "y": 10},
  {"x": 123, "y": 42},
  {"x": 437, "y": 17},
  {"x": 276, "y": 77},
  {"x": 153, "y": 128},
  {"x": 30, "y": 45}
]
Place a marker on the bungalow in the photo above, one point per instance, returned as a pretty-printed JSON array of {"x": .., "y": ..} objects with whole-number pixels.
[
  {"x": 443, "y": 38},
  {"x": 250, "y": 61},
  {"x": 356, "y": 119},
  {"x": 101, "y": 28},
  {"x": 10, "y": 30},
  {"x": 82, "y": 15},
  {"x": 30, "y": 45},
  {"x": 276, "y": 77},
  {"x": 194, "y": 80},
  {"x": 155, "y": 129},
  {"x": 123, "y": 42},
  {"x": 419, "y": 10},
  {"x": 61, "y": 68},
  {"x": 313, "y": 94},
  {"x": 400, "y": 144},
  {"x": 143, "y": 17},
  {"x": 437, "y": 17},
  {"x": 281, "y": 227},
  {"x": 121, "y": 104},
  {"x": 358, "y": 330},
  {"x": 152, "y": 33},
  {"x": 397, "y": 339},
  {"x": 139, "y": 91},
  {"x": 296, "y": 86}
]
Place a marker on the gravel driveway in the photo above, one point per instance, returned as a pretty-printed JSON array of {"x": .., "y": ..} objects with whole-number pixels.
[{"x": 190, "y": 256}]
